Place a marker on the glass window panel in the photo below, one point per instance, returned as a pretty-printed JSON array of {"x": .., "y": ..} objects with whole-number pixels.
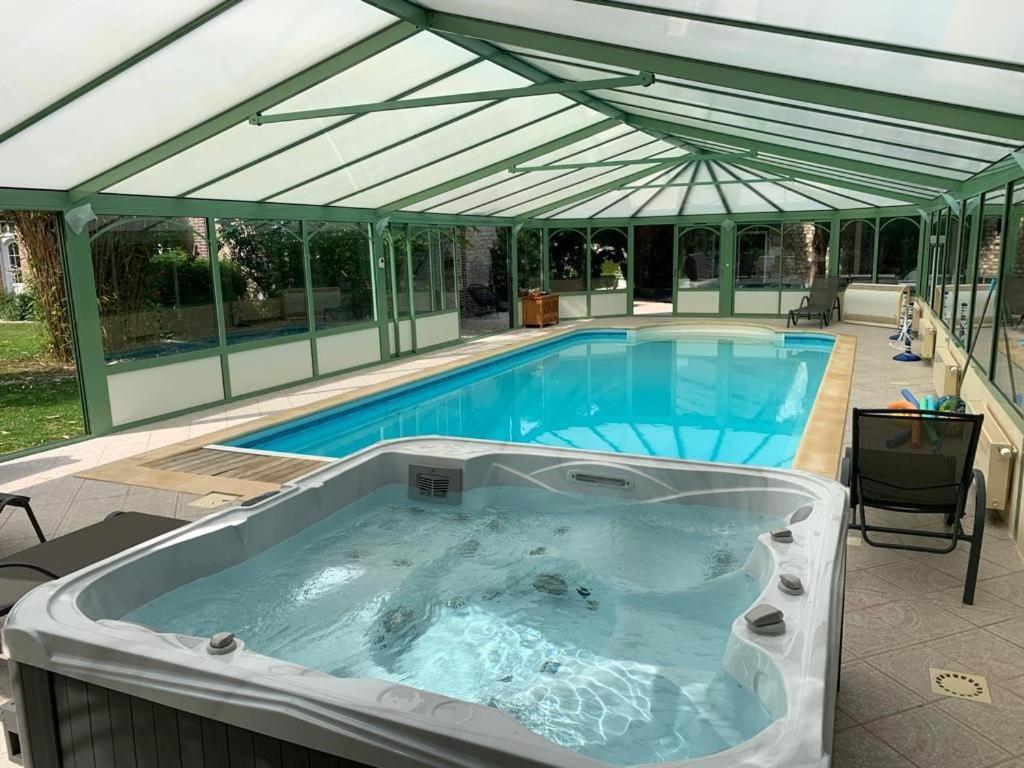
[
  {"x": 699, "y": 254},
  {"x": 154, "y": 286},
  {"x": 804, "y": 254},
  {"x": 949, "y": 270},
  {"x": 400, "y": 262},
  {"x": 567, "y": 261},
  {"x": 263, "y": 286},
  {"x": 990, "y": 250},
  {"x": 396, "y": 70},
  {"x": 759, "y": 258},
  {"x": 341, "y": 271},
  {"x": 450, "y": 288},
  {"x": 856, "y": 251},
  {"x": 897, "y": 250},
  {"x": 198, "y": 76},
  {"x": 608, "y": 256},
  {"x": 423, "y": 244},
  {"x": 962, "y": 290},
  {"x": 1009, "y": 370},
  {"x": 530, "y": 259}
]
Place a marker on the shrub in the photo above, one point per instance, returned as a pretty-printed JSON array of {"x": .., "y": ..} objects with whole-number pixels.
[{"x": 18, "y": 306}]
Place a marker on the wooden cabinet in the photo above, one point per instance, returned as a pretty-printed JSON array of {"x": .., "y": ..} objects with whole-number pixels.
[{"x": 539, "y": 311}]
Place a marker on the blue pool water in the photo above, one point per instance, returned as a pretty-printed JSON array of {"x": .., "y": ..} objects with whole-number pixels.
[
  {"x": 597, "y": 623},
  {"x": 733, "y": 399}
]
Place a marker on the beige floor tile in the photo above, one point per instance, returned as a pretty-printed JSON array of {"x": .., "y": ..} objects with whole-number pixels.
[
  {"x": 1003, "y": 553},
  {"x": 987, "y": 608},
  {"x": 1012, "y": 630},
  {"x": 866, "y": 694},
  {"x": 864, "y": 635},
  {"x": 914, "y": 576},
  {"x": 934, "y": 739},
  {"x": 981, "y": 652},
  {"x": 910, "y": 667},
  {"x": 1009, "y": 588},
  {"x": 843, "y": 721},
  {"x": 858, "y": 748},
  {"x": 955, "y": 564},
  {"x": 865, "y": 590},
  {"x": 920, "y": 619},
  {"x": 1001, "y": 722},
  {"x": 866, "y": 556}
]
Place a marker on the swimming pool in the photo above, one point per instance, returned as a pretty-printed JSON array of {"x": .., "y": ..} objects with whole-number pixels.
[{"x": 737, "y": 396}]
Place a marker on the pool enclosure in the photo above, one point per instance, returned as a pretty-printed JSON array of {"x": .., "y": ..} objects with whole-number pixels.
[{"x": 247, "y": 198}]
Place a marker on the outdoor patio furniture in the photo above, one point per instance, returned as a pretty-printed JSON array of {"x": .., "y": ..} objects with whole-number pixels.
[
  {"x": 919, "y": 463},
  {"x": 14, "y": 500},
  {"x": 24, "y": 571},
  {"x": 484, "y": 298},
  {"x": 821, "y": 302}
]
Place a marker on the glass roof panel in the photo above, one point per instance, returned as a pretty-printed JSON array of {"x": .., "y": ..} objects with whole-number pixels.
[
  {"x": 521, "y": 187},
  {"x": 357, "y": 138},
  {"x": 950, "y": 26},
  {"x": 396, "y": 70},
  {"x": 563, "y": 194},
  {"x": 38, "y": 36},
  {"x": 776, "y": 108},
  {"x": 240, "y": 53},
  {"x": 849, "y": 65},
  {"x": 506, "y": 146}
]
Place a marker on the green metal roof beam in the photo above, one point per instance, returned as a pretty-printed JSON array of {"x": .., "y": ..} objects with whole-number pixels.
[
  {"x": 822, "y": 37},
  {"x": 284, "y": 90},
  {"x": 718, "y": 189},
  {"x": 638, "y": 161},
  {"x": 594, "y": 191},
  {"x": 838, "y": 161},
  {"x": 643, "y": 79},
  {"x": 123, "y": 66},
  {"x": 789, "y": 87},
  {"x": 482, "y": 173},
  {"x": 734, "y": 180}
]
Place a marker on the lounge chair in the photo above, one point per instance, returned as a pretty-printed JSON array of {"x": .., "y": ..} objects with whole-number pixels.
[
  {"x": 821, "y": 303},
  {"x": 918, "y": 462},
  {"x": 483, "y": 297},
  {"x": 24, "y": 571}
]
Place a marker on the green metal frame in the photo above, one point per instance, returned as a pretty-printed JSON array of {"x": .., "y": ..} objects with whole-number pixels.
[
  {"x": 635, "y": 161},
  {"x": 643, "y": 79}
]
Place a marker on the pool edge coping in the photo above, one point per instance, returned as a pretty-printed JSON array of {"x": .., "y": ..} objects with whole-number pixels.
[{"x": 818, "y": 455}]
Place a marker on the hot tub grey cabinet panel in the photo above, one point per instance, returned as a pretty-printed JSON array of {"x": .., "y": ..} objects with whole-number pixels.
[{"x": 72, "y": 724}]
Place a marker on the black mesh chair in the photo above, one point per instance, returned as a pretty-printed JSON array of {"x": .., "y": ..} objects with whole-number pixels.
[
  {"x": 821, "y": 302},
  {"x": 918, "y": 462}
]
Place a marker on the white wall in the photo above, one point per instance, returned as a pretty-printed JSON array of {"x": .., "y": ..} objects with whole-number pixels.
[
  {"x": 605, "y": 304},
  {"x": 437, "y": 329},
  {"x": 257, "y": 369},
  {"x": 791, "y": 300},
  {"x": 143, "y": 394},
  {"x": 756, "y": 302},
  {"x": 340, "y": 351},
  {"x": 572, "y": 306},
  {"x": 697, "y": 302}
]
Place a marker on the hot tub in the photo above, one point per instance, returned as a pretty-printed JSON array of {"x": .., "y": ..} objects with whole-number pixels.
[{"x": 438, "y": 602}]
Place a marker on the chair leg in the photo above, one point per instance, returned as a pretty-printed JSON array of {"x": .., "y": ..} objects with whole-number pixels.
[{"x": 977, "y": 536}]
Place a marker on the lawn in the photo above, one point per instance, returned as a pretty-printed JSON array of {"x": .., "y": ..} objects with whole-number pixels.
[{"x": 39, "y": 399}]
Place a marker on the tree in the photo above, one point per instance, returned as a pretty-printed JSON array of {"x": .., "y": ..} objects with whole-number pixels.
[{"x": 39, "y": 240}]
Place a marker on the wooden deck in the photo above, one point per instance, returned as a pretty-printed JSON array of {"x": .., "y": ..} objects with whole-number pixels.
[{"x": 238, "y": 465}]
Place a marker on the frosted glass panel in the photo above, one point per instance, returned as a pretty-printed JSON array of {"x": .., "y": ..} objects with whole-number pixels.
[
  {"x": 473, "y": 159},
  {"x": 394, "y": 71},
  {"x": 38, "y": 36},
  {"x": 424, "y": 150},
  {"x": 842, "y": 64},
  {"x": 242, "y": 52}
]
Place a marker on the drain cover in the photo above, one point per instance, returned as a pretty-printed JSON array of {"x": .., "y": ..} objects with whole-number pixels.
[{"x": 960, "y": 685}]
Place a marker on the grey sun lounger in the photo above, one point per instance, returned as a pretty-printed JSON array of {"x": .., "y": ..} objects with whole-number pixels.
[
  {"x": 24, "y": 571},
  {"x": 822, "y": 301}
]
